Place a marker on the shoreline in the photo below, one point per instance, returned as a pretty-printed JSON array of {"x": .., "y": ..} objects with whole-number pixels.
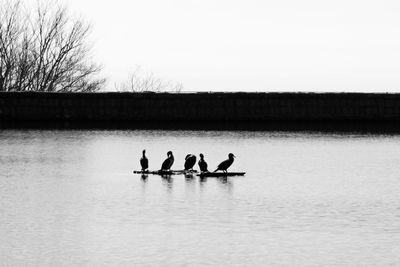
[{"x": 316, "y": 112}]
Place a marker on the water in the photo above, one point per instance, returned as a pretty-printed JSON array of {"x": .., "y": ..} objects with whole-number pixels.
[{"x": 69, "y": 198}]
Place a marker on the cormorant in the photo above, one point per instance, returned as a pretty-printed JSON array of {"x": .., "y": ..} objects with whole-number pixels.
[
  {"x": 144, "y": 162},
  {"x": 203, "y": 164},
  {"x": 223, "y": 166},
  {"x": 190, "y": 161},
  {"x": 167, "y": 164}
]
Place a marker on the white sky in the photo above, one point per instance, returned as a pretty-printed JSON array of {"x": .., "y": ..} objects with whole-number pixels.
[{"x": 250, "y": 45}]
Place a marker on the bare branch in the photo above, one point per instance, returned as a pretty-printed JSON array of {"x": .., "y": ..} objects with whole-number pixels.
[
  {"x": 148, "y": 82},
  {"x": 45, "y": 50}
]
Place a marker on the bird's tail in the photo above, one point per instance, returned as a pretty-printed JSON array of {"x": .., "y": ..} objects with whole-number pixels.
[{"x": 216, "y": 170}]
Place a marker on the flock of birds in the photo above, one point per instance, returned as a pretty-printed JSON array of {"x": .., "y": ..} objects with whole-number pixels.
[{"x": 190, "y": 161}]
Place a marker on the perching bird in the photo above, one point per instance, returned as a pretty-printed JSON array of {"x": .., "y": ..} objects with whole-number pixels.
[
  {"x": 167, "y": 164},
  {"x": 223, "y": 166},
  {"x": 203, "y": 164},
  {"x": 190, "y": 161},
  {"x": 144, "y": 162}
]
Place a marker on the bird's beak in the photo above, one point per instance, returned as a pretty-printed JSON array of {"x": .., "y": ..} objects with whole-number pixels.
[{"x": 234, "y": 156}]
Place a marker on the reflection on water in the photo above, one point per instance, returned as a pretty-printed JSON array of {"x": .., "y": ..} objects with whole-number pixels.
[
  {"x": 189, "y": 177},
  {"x": 69, "y": 198},
  {"x": 144, "y": 177}
]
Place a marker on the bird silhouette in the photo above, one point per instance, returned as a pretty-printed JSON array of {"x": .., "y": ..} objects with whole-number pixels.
[
  {"x": 190, "y": 161},
  {"x": 144, "y": 162},
  {"x": 203, "y": 164},
  {"x": 223, "y": 166},
  {"x": 167, "y": 164}
]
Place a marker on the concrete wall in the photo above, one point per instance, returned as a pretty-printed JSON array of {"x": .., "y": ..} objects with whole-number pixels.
[{"x": 201, "y": 107}]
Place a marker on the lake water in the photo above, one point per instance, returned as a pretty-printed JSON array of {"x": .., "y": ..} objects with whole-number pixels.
[{"x": 69, "y": 198}]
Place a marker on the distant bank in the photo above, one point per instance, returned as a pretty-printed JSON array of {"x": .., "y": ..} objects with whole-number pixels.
[{"x": 218, "y": 111}]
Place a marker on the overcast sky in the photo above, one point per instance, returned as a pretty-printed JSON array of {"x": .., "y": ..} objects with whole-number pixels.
[{"x": 250, "y": 45}]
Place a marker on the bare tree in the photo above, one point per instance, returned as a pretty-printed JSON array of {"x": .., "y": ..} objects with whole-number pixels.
[
  {"x": 10, "y": 34},
  {"x": 148, "y": 82},
  {"x": 45, "y": 50}
]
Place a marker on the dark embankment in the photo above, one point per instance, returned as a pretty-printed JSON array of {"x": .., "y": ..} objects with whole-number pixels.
[{"x": 337, "y": 112}]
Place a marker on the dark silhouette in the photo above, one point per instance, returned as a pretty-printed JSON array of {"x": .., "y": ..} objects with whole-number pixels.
[
  {"x": 167, "y": 164},
  {"x": 144, "y": 162},
  {"x": 190, "y": 161},
  {"x": 45, "y": 50},
  {"x": 223, "y": 166},
  {"x": 203, "y": 164}
]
